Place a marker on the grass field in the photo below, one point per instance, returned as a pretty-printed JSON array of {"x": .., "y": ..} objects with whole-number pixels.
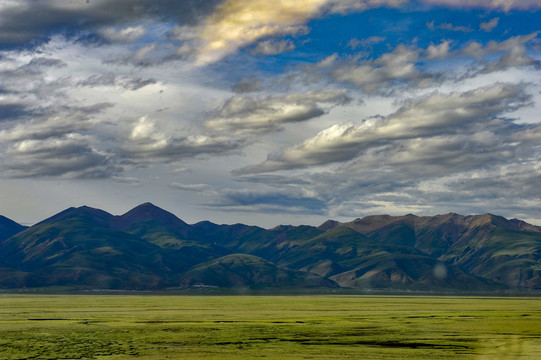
[{"x": 271, "y": 327}]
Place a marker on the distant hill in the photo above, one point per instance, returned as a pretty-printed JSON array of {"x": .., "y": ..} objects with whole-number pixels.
[{"x": 149, "y": 248}]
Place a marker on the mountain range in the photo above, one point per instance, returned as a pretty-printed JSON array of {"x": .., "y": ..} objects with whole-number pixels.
[{"x": 149, "y": 248}]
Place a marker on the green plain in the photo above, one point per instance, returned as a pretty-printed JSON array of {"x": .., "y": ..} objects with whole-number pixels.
[{"x": 271, "y": 327}]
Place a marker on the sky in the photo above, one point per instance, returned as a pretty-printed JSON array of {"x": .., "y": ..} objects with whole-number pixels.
[{"x": 271, "y": 112}]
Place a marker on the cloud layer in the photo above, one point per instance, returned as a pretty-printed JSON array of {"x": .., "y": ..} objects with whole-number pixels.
[
  {"x": 434, "y": 120},
  {"x": 505, "y": 5},
  {"x": 266, "y": 111},
  {"x": 246, "y": 114}
]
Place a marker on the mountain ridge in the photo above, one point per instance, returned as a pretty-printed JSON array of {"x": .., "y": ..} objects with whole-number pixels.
[
  {"x": 9, "y": 228},
  {"x": 150, "y": 248}
]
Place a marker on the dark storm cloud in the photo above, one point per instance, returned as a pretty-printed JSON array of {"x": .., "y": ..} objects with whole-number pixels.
[
  {"x": 291, "y": 202},
  {"x": 26, "y": 21},
  {"x": 246, "y": 85},
  {"x": 272, "y": 180},
  {"x": 70, "y": 156},
  {"x": 54, "y": 122},
  {"x": 10, "y": 111},
  {"x": 53, "y": 143}
]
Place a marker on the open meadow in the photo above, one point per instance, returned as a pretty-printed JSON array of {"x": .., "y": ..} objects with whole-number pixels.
[{"x": 271, "y": 327}]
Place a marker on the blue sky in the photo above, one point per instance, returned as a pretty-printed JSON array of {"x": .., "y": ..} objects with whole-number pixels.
[{"x": 271, "y": 112}]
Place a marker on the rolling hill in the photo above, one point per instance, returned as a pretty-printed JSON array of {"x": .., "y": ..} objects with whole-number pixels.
[{"x": 149, "y": 248}]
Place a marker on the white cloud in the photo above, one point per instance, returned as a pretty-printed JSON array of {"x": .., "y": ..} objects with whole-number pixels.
[
  {"x": 149, "y": 144},
  {"x": 412, "y": 68},
  {"x": 374, "y": 75},
  {"x": 190, "y": 187},
  {"x": 143, "y": 52},
  {"x": 270, "y": 47},
  {"x": 246, "y": 114},
  {"x": 238, "y": 23},
  {"x": 448, "y": 26},
  {"x": 145, "y": 129},
  {"x": 70, "y": 156},
  {"x": 128, "y": 34},
  {"x": 490, "y": 25},
  {"x": 435, "y": 115},
  {"x": 440, "y": 51},
  {"x": 513, "y": 49},
  {"x": 356, "y": 43}
]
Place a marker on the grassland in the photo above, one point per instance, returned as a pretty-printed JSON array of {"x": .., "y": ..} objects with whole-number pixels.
[{"x": 271, "y": 327}]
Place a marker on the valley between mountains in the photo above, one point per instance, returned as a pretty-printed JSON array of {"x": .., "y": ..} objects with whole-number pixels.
[{"x": 149, "y": 248}]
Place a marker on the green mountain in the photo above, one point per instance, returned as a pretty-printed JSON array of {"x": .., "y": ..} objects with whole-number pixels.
[
  {"x": 506, "y": 252},
  {"x": 353, "y": 260},
  {"x": 149, "y": 248},
  {"x": 242, "y": 270},
  {"x": 76, "y": 248},
  {"x": 182, "y": 246}
]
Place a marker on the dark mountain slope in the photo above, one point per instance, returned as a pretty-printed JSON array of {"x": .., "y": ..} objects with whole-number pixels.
[
  {"x": 242, "y": 270},
  {"x": 270, "y": 243},
  {"x": 76, "y": 250},
  {"x": 353, "y": 260},
  {"x": 488, "y": 246},
  {"x": 502, "y": 255},
  {"x": 223, "y": 235},
  {"x": 183, "y": 245},
  {"x": 150, "y": 248},
  {"x": 253, "y": 239},
  {"x": 432, "y": 234},
  {"x": 8, "y": 228}
]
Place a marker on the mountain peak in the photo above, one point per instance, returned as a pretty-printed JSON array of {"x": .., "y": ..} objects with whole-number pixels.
[
  {"x": 282, "y": 228},
  {"x": 329, "y": 224},
  {"x": 147, "y": 205},
  {"x": 100, "y": 216},
  {"x": 147, "y": 208},
  {"x": 490, "y": 219},
  {"x": 149, "y": 212}
]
